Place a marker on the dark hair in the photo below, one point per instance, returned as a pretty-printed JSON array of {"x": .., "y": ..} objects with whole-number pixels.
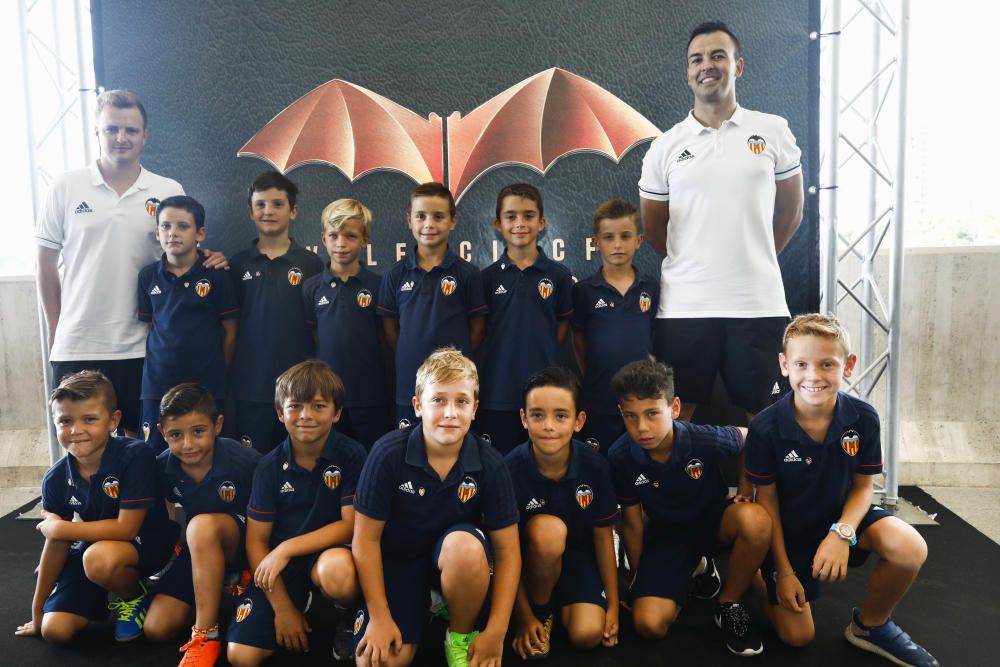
[
  {"x": 307, "y": 378},
  {"x": 120, "y": 99},
  {"x": 526, "y": 190},
  {"x": 644, "y": 380},
  {"x": 187, "y": 398},
  {"x": 716, "y": 26},
  {"x": 432, "y": 189},
  {"x": 554, "y": 376},
  {"x": 273, "y": 179},
  {"x": 83, "y": 386},
  {"x": 185, "y": 203},
  {"x": 614, "y": 209}
]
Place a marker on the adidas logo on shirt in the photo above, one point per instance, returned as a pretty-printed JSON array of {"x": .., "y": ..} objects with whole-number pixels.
[
  {"x": 776, "y": 390},
  {"x": 601, "y": 303},
  {"x": 407, "y": 486},
  {"x": 323, "y": 301},
  {"x": 686, "y": 155},
  {"x": 247, "y": 276},
  {"x": 534, "y": 504},
  {"x": 155, "y": 290},
  {"x": 793, "y": 457},
  {"x": 74, "y": 502},
  {"x": 286, "y": 488},
  {"x": 500, "y": 290},
  {"x": 407, "y": 286},
  {"x": 83, "y": 208},
  {"x": 641, "y": 479}
]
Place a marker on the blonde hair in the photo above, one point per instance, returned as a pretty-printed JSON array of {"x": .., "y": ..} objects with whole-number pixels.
[
  {"x": 822, "y": 326},
  {"x": 446, "y": 365},
  {"x": 338, "y": 213},
  {"x": 307, "y": 378}
]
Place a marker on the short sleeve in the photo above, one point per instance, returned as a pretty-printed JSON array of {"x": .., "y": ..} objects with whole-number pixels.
[
  {"x": 789, "y": 160},
  {"x": 605, "y": 498},
  {"x": 227, "y": 301},
  {"x": 759, "y": 462},
  {"x": 870, "y": 450},
  {"x": 475, "y": 299},
  {"x": 654, "y": 183},
  {"x": 145, "y": 306},
  {"x": 373, "y": 494},
  {"x": 579, "y": 317},
  {"x": 262, "y": 495},
  {"x": 727, "y": 440},
  {"x": 564, "y": 296},
  {"x": 54, "y": 494},
  {"x": 138, "y": 478},
  {"x": 352, "y": 473},
  {"x": 387, "y": 306},
  {"x": 500, "y": 506},
  {"x": 50, "y": 229},
  {"x": 309, "y": 302}
]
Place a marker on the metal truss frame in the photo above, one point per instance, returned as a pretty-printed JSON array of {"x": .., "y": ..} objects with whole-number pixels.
[{"x": 852, "y": 145}]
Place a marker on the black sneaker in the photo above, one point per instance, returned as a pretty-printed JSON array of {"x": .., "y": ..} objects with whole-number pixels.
[
  {"x": 343, "y": 637},
  {"x": 707, "y": 584},
  {"x": 741, "y": 637}
]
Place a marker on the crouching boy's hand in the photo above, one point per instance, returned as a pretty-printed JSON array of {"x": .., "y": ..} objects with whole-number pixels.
[
  {"x": 486, "y": 649},
  {"x": 381, "y": 640},
  {"x": 529, "y": 633},
  {"x": 291, "y": 630},
  {"x": 32, "y": 628},
  {"x": 610, "y": 636}
]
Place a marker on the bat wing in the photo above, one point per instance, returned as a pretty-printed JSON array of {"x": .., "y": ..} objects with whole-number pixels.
[
  {"x": 536, "y": 122},
  {"x": 353, "y": 129}
]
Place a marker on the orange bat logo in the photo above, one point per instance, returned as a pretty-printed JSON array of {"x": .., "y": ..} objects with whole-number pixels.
[
  {"x": 850, "y": 442},
  {"x": 545, "y": 288},
  {"x": 294, "y": 275},
  {"x": 359, "y": 620},
  {"x": 584, "y": 496},
  {"x": 227, "y": 491},
  {"x": 202, "y": 287},
  {"x": 533, "y": 123},
  {"x": 695, "y": 468},
  {"x": 110, "y": 487},
  {"x": 448, "y": 285},
  {"x": 152, "y": 206},
  {"x": 244, "y": 609},
  {"x": 364, "y": 298},
  {"x": 645, "y": 301},
  {"x": 467, "y": 489},
  {"x": 756, "y": 144},
  {"x": 331, "y": 477}
]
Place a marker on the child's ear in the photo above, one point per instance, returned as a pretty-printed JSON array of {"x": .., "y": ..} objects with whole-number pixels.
[
  {"x": 416, "y": 405},
  {"x": 201, "y": 233},
  {"x": 849, "y": 363},
  {"x": 524, "y": 420},
  {"x": 295, "y": 212},
  {"x": 218, "y": 424},
  {"x": 541, "y": 224},
  {"x": 783, "y": 363},
  {"x": 675, "y": 407},
  {"x": 336, "y": 416},
  {"x": 581, "y": 419}
]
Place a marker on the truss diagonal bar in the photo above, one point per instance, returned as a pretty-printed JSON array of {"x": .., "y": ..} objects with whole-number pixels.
[
  {"x": 870, "y": 164},
  {"x": 876, "y": 15},
  {"x": 864, "y": 88},
  {"x": 861, "y": 237},
  {"x": 871, "y": 313}
]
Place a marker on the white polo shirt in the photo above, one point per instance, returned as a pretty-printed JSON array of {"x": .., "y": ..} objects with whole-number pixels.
[
  {"x": 104, "y": 240},
  {"x": 720, "y": 240}
]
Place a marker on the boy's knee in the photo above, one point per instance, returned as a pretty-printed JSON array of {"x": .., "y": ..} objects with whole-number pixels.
[
  {"x": 755, "y": 522},
  {"x": 904, "y": 547},
  {"x": 58, "y": 631},
  {"x": 202, "y": 530},
  {"x": 240, "y": 655},
  {"x": 545, "y": 537},
  {"x": 796, "y": 637},
  {"x": 335, "y": 572},
  {"x": 651, "y": 626},
  {"x": 463, "y": 552},
  {"x": 583, "y": 635},
  {"x": 157, "y": 629},
  {"x": 98, "y": 564}
]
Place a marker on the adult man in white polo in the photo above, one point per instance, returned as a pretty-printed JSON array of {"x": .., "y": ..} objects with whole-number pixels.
[{"x": 721, "y": 195}]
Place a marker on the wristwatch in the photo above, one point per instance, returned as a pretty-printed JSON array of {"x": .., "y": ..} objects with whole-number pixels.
[{"x": 845, "y": 531}]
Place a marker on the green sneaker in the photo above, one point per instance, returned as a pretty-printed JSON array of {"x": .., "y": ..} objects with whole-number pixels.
[
  {"x": 130, "y": 615},
  {"x": 438, "y": 608},
  {"x": 456, "y": 647}
]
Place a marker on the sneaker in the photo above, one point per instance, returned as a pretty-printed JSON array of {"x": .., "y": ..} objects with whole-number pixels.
[
  {"x": 456, "y": 647},
  {"x": 889, "y": 641},
  {"x": 343, "y": 636},
  {"x": 707, "y": 584},
  {"x": 541, "y": 651},
  {"x": 131, "y": 614},
  {"x": 200, "y": 651},
  {"x": 741, "y": 637}
]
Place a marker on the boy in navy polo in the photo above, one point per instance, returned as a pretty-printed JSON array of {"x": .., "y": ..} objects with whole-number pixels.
[
  {"x": 530, "y": 301},
  {"x": 194, "y": 312},
  {"x": 211, "y": 478},
  {"x": 273, "y": 333},
  {"x": 671, "y": 471},
  {"x": 340, "y": 305},
  {"x": 427, "y": 494},
  {"x": 812, "y": 456},
  {"x": 124, "y": 534},
  {"x": 432, "y": 297},
  {"x": 568, "y": 511},
  {"x": 300, "y": 520},
  {"x": 613, "y": 314}
]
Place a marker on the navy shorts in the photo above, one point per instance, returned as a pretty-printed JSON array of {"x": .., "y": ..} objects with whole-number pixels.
[
  {"x": 253, "y": 620},
  {"x": 366, "y": 425},
  {"x": 408, "y": 583},
  {"x": 258, "y": 425},
  {"x": 501, "y": 428},
  {"x": 178, "y": 582},
  {"x": 76, "y": 594},
  {"x": 743, "y": 350},
  {"x": 601, "y": 430},
  {"x": 801, "y": 557},
  {"x": 125, "y": 376},
  {"x": 580, "y": 579}
]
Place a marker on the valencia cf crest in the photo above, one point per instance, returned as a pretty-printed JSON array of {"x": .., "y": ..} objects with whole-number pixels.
[
  {"x": 364, "y": 298},
  {"x": 247, "y": 442},
  {"x": 467, "y": 489},
  {"x": 448, "y": 285},
  {"x": 594, "y": 444},
  {"x": 584, "y": 496},
  {"x": 152, "y": 206},
  {"x": 756, "y": 144},
  {"x": 850, "y": 442},
  {"x": 403, "y": 423},
  {"x": 227, "y": 491},
  {"x": 694, "y": 468},
  {"x": 294, "y": 276},
  {"x": 243, "y": 610},
  {"x": 202, "y": 287},
  {"x": 331, "y": 477},
  {"x": 110, "y": 487},
  {"x": 145, "y": 431},
  {"x": 359, "y": 621},
  {"x": 545, "y": 288},
  {"x": 645, "y": 301}
]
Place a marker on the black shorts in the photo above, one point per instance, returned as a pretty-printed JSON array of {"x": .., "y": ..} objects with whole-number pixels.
[
  {"x": 125, "y": 376},
  {"x": 744, "y": 351}
]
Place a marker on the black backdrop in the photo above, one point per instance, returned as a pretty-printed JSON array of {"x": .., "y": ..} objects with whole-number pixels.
[{"x": 212, "y": 73}]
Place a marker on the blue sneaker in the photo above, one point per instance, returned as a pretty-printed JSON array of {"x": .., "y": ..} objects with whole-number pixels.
[
  {"x": 889, "y": 641},
  {"x": 130, "y": 615}
]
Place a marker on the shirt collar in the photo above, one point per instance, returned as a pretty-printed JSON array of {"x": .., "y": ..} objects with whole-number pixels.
[
  {"x": 109, "y": 460},
  {"x": 220, "y": 461},
  {"x": 328, "y": 276},
  {"x": 844, "y": 415},
  {"x": 598, "y": 280},
  {"x": 97, "y": 179},
  {"x": 411, "y": 259},
  {"x": 416, "y": 451},
  {"x": 681, "y": 451},
  {"x": 293, "y": 247},
  {"x": 572, "y": 470},
  {"x": 692, "y": 124},
  {"x": 197, "y": 266},
  {"x": 541, "y": 262}
]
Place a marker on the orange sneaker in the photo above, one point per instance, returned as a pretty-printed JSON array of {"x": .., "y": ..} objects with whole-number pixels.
[{"x": 200, "y": 651}]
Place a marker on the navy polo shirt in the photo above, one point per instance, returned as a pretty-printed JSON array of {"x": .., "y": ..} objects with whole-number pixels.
[
  {"x": 433, "y": 308},
  {"x": 344, "y": 313},
  {"x": 682, "y": 495},
  {"x": 525, "y": 308},
  {"x": 225, "y": 489},
  {"x": 813, "y": 478},
  {"x": 273, "y": 334},
  {"x": 125, "y": 479},
  {"x": 618, "y": 329},
  {"x": 583, "y": 499},
  {"x": 299, "y": 501},
  {"x": 185, "y": 343},
  {"x": 398, "y": 486}
]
